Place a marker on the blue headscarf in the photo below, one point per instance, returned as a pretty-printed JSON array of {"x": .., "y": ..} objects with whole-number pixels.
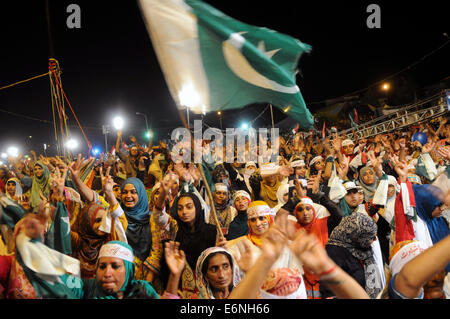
[
  {"x": 427, "y": 199},
  {"x": 138, "y": 217}
]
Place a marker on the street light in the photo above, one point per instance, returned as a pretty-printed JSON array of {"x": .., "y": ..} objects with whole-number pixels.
[
  {"x": 188, "y": 97},
  {"x": 118, "y": 122},
  {"x": 72, "y": 144},
  {"x": 386, "y": 86},
  {"x": 146, "y": 124},
  {"x": 13, "y": 151}
]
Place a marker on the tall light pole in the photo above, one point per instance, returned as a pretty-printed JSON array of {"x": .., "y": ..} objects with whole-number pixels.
[
  {"x": 146, "y": 123},
  {"x": 106, "y": 130}
]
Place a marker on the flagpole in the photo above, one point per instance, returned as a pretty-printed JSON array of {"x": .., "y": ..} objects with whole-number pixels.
[
  {"x": 271, "y": 115},
  {"x": 202, "y": 173}
]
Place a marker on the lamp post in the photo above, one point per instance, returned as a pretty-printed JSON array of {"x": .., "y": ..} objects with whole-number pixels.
[
  {"x": 106, "y": 130},
  {"x": 385, "y": 87},
  {"x": 146, "y": 123}
]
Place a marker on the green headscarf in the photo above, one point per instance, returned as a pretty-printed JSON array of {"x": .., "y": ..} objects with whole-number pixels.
[
  {"x": 91, "y": 289},
  {"x": 41, "y": 184}
]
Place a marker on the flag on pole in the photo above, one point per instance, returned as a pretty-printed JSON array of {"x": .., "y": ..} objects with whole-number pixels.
[{"x": 212, "y": 62}]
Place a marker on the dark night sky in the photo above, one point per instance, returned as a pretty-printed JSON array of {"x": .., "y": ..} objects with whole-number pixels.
[{"x": 109, "y": 65}]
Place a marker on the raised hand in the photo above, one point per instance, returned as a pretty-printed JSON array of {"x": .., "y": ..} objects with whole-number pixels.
[
  {"x": 273, "y": 242},
  {"x": 75, "y": 166},
  {"x": 401, "y": 168},
  {"x": 107, "y": 180},
  {"x": 246, "y": 258},
  {"x": 375, "y": 162},
  {"x": 175, "y": 258},
  {"x": 286, "y": 170},
  {"x": 141, "y": 165},
  {"x": 444, "y": 152},
  {"x": 58, "y": 181},
  {"x": 311, "y": 252},
  {"x": 428, "y": 147},
  {"x": 342, "y": 168}
]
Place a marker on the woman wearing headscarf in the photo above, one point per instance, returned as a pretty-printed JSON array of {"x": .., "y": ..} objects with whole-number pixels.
[
  {"x": 142, "y": 233},
  {"x": 13, "y": 189},
  {"x": 239, "y": 225},
  {"x": 186, "y": 225},
  {"x": 4, "y": 175},
  {"x": 285, "y": 277},
  {"x": 224, "y": 211},
  {"x": 114, "y": 277},
  {"x": 40, "y": 184},
  {"x": 282, "y": 196},
  {"x": 368, "y": 181},
  {"x": 87, "y": 241},
  {"x": 429, "y": 207},
  {"x": 319, "y": 225},
  {"x": 210, "y": 283},
  {"x": 349, "y": 245},
  {"x": 250, "y": 168},
  {"x": 266, "y": 183}
]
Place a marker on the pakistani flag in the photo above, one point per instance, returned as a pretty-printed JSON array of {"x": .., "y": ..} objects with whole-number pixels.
[
  {"x": 58, "y": 236},
  {"x": 212, "y": 62}
]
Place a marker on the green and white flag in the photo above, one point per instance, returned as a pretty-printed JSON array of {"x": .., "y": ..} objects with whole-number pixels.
[{"x": 212, "y": 62}]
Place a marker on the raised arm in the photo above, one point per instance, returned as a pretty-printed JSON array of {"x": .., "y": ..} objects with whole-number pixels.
[
  {"x": 314, "y": 256},
  {"x": 416, "y": 273},
  {"x": 83, "y": 189}
]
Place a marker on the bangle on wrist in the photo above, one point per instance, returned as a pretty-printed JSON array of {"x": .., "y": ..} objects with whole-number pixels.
[{"x": 326, "y": 274}]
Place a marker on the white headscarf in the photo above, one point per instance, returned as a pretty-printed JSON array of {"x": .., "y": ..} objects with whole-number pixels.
[{"x": 283, "y": 189}]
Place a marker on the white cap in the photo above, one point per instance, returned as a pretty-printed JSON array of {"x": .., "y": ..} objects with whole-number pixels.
[
  {"x": 298, "y": 163},
  {"x": 351, "y": 185},
  {"x": 347, "y": 142}
]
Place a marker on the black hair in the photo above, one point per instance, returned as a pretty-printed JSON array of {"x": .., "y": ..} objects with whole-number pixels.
[{"x": 206, "y": 264}]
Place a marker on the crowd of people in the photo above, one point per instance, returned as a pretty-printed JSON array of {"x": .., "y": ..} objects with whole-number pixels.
[{"x": 327, "y": 217}]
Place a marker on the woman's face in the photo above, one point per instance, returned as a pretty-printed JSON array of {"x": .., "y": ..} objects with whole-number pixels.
[
  {"x": 117, "y": 192},
  {"x": 304, "y": 214},
  {"x": 300, "y": 170},
  {"x": 319, "y": 165},
  {"x": 270, "y": 180},
  {"x": 391, "y": 191},
  {"x": 368, "y": 177},
  {"x": 38, "y": 171},
  {"x": 437, "y": 212},
  {"x": 361, "y": 196},
  {"x": 241, "y": 203},
  {"x": 111, "y": 274},
  {"x": 352, "y": 198},
  {"x": 186, "y": 210},
  {"x": 156, "y": 195},
  {"x": 129, "y": 196},
  {"x": 259, "y": 225},
  {"x": 219, "y": 273},
  {"x": 220, "y": 197},
  {"x": 286, "y": 197},
  {"x": 11, "y": 188},
  {"x": 348, "y": 149},
  {"x": 98, "y": 221}
]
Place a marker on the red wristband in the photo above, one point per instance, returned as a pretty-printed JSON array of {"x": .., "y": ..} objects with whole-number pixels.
[{"x": 328, "y": 271}]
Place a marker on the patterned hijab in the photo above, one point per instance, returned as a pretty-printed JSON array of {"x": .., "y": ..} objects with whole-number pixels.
[
  {"x": 90, "y": 242},
  {"x": 369, "y": 189},
  {"x": 40, "y": 184},
  {"x": 355, "y": 233},
  {"x": 205, "y": 291}
]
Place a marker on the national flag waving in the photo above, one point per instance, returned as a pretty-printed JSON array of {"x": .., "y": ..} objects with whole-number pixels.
[{"x": 212, "y": 62}]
